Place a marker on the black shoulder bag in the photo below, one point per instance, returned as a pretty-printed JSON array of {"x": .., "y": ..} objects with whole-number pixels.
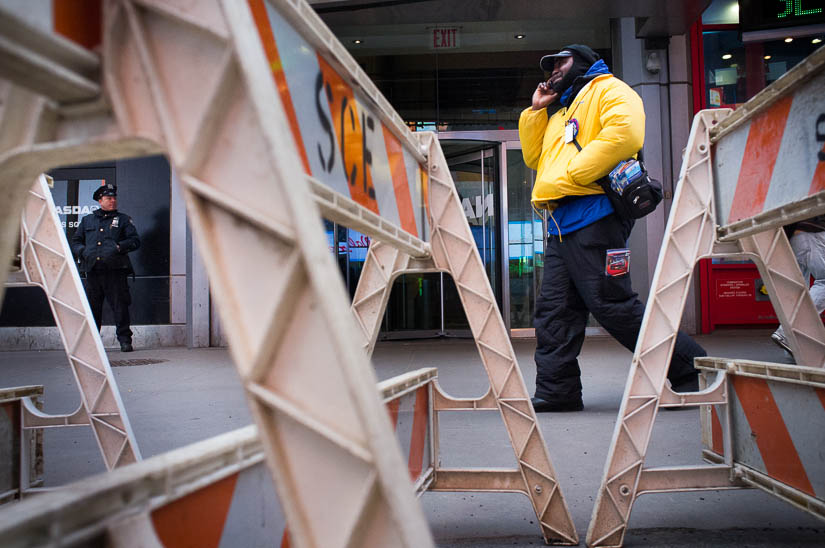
[{"x": 634, "y": 197}]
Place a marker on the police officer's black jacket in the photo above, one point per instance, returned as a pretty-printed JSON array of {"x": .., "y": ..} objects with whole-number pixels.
[{"x": 103, "y": 240}]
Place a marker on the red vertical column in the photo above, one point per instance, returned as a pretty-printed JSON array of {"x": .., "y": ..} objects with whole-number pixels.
[
  {"x": 754, "y": 69},
  {"x": 697, "y": 62}
]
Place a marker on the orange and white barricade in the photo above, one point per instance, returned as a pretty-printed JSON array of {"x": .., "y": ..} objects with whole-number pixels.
[
  {"x": 217, "y": 492},
  {"x": 408, "y": 398},
  {"x": 22, "y": 449},
  {"x": 744, "y": 175},
  {"x": 770, "y": 430}
]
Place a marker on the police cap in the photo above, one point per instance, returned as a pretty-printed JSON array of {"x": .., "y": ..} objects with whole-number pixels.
[{"x": 106, "y": 189}]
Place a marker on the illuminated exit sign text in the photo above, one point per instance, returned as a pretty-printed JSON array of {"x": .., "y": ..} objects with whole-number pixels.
[{"x": 445, "y": 38}]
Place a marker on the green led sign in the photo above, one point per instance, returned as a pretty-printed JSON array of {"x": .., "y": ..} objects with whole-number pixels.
[
  {"x": 794, "y": 9},
  {"x": 774, "y": 14}
]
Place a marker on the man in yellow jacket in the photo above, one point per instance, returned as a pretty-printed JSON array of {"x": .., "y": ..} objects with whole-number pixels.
[{"x": 584, "y": 121}]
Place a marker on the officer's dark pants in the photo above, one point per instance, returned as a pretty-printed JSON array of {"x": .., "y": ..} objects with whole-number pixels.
[
  {"x": 112, "y": 286},
  {"x": 574, "y": 282}
]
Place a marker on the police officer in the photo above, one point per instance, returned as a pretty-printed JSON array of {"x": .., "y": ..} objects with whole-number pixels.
[{"x": 101, "y": 244}]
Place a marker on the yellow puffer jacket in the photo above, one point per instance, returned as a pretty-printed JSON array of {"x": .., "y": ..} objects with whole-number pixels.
[{"x": 611, "y": 120}]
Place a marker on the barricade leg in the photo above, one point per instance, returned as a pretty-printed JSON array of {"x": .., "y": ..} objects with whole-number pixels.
[
  {"x": 689, "y": 235},
  {"x": 382, "y": 266},
  {"x": 789, "y": 294},
  {"x": 455, "y": 252},
  {"x": 47, "y": 263},
  {"x": 20, "y": 112},
  {"x": 203, "y": 87}
]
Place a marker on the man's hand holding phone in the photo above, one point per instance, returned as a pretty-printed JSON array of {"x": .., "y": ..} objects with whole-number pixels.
[{"x": 544, "y": 96}]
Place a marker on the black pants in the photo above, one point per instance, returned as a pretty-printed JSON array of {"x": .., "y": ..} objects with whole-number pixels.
[
  {"x": 574, "y": 283},
  {"x": 112, "y": 286}
]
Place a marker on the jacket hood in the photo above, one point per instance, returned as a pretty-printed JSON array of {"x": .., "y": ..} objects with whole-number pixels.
[{"x": 596, "y": 69}]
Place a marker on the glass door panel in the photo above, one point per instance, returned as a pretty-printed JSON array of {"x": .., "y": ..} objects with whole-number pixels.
[
  {"x": 350, "y": 249},
  {"x": 525, "y": 242},
  {"x": 429, "y": 304},
  {"x": 422, "y": 305},
  {"x": 476, "y": 178},
  {"x": 414, "y": 308}
]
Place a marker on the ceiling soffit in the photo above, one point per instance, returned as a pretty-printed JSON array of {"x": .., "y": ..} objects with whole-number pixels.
[{"x": 397, "y": 27}]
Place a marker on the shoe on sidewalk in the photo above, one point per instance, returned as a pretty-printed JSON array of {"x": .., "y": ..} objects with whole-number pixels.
[
  {"x": 126, "y": 347},
  {"x": 544, "y": 406},
  {"x": 781, "y": 342}
]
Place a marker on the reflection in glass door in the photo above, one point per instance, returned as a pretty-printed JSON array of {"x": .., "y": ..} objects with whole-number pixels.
[
  {"x": 428, "y": 304},
  {"x": 476, "y": 179},
  {"x": 494, "y": 188},
  {"x": 525, "y": 241},
  {"x": 350, "y": 248}
]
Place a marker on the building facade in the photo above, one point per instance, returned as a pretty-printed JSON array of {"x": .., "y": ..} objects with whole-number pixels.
[{"x": 466, "y": 70}]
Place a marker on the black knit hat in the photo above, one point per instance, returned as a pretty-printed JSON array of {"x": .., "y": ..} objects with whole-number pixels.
[
  {"x": 582, "y": 51},
  {"x": 107, "y": 189}
]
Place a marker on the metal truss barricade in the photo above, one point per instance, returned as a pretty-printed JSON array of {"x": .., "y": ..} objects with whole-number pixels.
[
  {"x": 408, "y": 398},
  {"x": 455, "y": 252},
  {"x": 743, "y": 176},
  {"x": 269, "y": 122},
  {"x": 770, "y": 431}
]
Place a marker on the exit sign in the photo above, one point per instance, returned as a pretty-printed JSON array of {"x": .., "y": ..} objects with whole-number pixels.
[
  {"x": 445, "y": 38},
  {"x": 774, "y": 14}
]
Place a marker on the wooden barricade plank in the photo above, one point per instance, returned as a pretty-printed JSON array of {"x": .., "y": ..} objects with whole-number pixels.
[
  {"x": 350, "y": 140},
  {"x": 408, "y": 399},
  {"x": 771, "y": 429},
  {"x": 760, "y": 145}
]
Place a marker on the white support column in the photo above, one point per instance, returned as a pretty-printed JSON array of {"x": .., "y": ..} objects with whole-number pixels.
[
  {"x": 680, "y": 99},
  {"x": 198, "y": 302},
  {"x": 177, "y": 252}
]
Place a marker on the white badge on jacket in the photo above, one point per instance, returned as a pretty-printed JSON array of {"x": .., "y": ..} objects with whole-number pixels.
[{"x": 571, "y": 129}]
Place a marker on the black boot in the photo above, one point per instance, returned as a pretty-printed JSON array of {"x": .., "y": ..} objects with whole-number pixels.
[{"x": 544, "y": 406}]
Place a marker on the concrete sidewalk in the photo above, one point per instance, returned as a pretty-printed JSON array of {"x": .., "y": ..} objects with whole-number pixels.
[{"x": 195, "y": 394}]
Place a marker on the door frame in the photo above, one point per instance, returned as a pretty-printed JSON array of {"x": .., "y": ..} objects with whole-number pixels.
[
  {"x": 518, "y": 332},
  {"x": 507, "y": 139}
]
